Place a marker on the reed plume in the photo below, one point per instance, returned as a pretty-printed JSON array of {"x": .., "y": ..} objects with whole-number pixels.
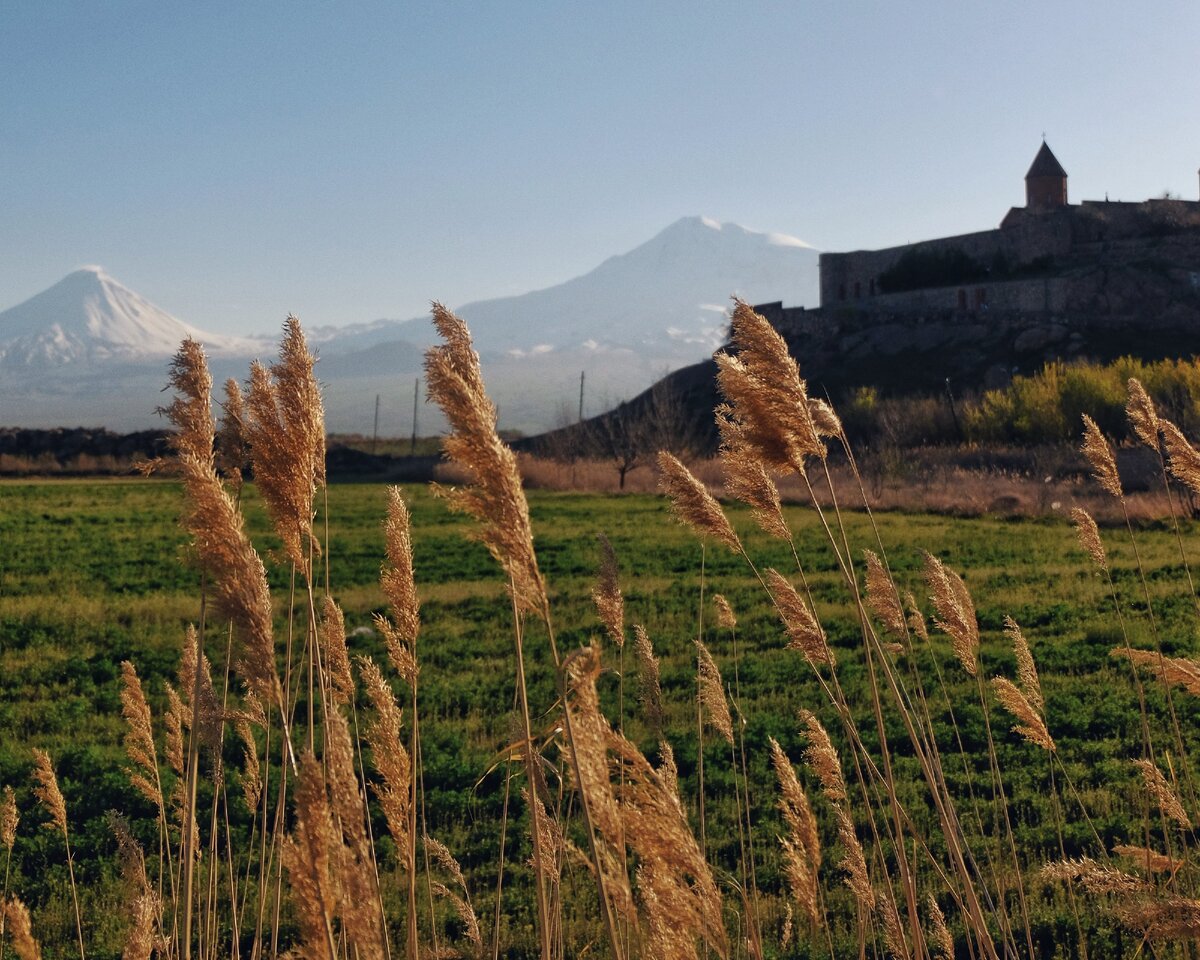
[
  {"x": 495, "y": 497},
  {"x": 239, "y": 581},
  {"x": 1099, "y": 455},
  {"x": 1183, "y": 459},
  {"x": 327, "y": 856},
  {"x": 1149, "y": 860},
  {"x": 825, "y": 419},
  {"x": 139, "y": 737},
  {"x": 336, "y": 656},
  {"x": 1179, "y": 671},
  {"x": 882, "y": 597},
  {"x": 889, "y": 922},
  {"x": 746, "y": 479},
  {"x": 725, "y": 616},
  {"x": 460, "y": 901},
  {"x": 692, "y": 504},
  {"x": 590, "y": 743},
  {"x": 822, "y": 758},
  {"x": 309, "y": 858},
  {"x": 610, "y": 605},
  {"x": 390, "y": 759},
  {"x": 47, "y": 791},
  {"x": 233, "y": 449},
  {"x": 1094, "y": 877},
  {"x": 939, "y": 934},
  {"x": 804, "y": 631},
  {"x": 1027, "y": 675},
  {"x": 916, "y": 619},
  {"x": 712, "y": 693},
  {"x": 397, "y": 578},
  {"x": 649, "y": 687},
  {"x": 1160, "y": 791},
  {"x": 252, "y": 783},
  {"x": 1031, "y": 726},
  {"x": 1089, "y": 537},
  {"x": 173, "y": 726},
  {"x": 9, "y": 818},
  {"x": 1139, "y": 408},
  {"x": 1170, "y": 918},
  {"x": 21, "y": 930},
  {"x": 801, "y": 845},
  {"x": 285, "y": 429},
  {"x": 679, "y": 897},
  {"x": 854, "y": 861},
  {"x": 762, "y": 385},
  {"x": 955, "y": 612}
]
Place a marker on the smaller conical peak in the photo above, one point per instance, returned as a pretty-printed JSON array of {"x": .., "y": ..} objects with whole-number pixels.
[{"x": 1046, "y": 164}]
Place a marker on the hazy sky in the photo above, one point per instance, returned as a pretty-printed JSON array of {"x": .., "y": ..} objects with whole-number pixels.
[{"x": 348, "y": 161}]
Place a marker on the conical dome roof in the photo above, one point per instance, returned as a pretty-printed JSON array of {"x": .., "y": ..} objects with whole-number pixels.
[{"x": 1045, "y": 164}]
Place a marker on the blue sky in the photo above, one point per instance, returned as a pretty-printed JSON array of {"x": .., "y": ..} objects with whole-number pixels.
[{"x": 236, "y": 161}]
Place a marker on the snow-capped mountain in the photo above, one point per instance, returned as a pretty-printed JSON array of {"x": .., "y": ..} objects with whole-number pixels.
[
  {"x": 667, "y": 298},
  {"x": 89, "y": 351},
  {"x": 88, "y": 317}
]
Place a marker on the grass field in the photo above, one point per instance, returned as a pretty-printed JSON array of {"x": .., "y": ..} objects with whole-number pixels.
[{"x": 93, "y": 573}]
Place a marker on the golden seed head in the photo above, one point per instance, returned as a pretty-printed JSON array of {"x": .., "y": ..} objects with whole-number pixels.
[
  {"x": 391, "y": 760},
  {"x": 285, "y": 428},
  {"x": 9, "y": 818},
  {"x": 822, "y": 758},
  {"x": 494, "y": 496},
  {"x": 1099, "y": 454},
  {"x": 712, "y": 693},
  {"x": 610, "y": 605},
  {"x": 746, "y": 478},
  {"x": 725, "y": 616},
  {"x": 1161, "y": 792},
  {"x": 397, "y": 578},
  {"x": 1031, "y": 727},
  {"x": 1141, "y": 413},
  {"x": 882, "y": 597},
  {"x": 20, "y": 930},
  {"x": 939, "y": 934},
  {"x": 693, "y": 504},
  {"x": 649, "y": 687},
  {"x": 955, "y": 612},
  {"x": 46, "y": 790},
  {"x": 1027, "y": 674},
  {"x": 139, "y": 736},
  {"x": 1183, "y": 460},
  {"x": 1175, "y": 670},
  {"x": 762, "y": 385},
  {"x": 337, "y": 655},
  {"x": 1146, "y": 859},
  {"x": 803, "y": 629},
  {"x": 1094, "y": 877},
  {"x": 1089, "y": 537}
]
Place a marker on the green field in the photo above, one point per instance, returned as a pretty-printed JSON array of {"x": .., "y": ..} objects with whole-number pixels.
[{"x": 92, "y": 573}]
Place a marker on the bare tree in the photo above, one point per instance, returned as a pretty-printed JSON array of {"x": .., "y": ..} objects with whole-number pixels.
[{"x": 631, "y": 434}]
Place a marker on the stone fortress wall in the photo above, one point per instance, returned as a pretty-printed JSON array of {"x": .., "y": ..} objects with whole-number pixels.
[{"x": 1031, "y": 262}]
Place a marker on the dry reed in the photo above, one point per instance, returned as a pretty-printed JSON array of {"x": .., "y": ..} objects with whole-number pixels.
[
  {"x": 693, "y": 505},
  {"x": 494, "y": 497}
]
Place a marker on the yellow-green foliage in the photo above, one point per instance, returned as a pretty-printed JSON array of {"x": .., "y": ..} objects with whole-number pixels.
[{"x": 1047, "y": 406}]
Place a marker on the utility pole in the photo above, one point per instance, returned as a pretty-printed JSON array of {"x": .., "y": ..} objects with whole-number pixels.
[
  {"x": 375, "y": 432},
  {"x": 581, "y": 375},
  {"x": 412, "y": 452}
]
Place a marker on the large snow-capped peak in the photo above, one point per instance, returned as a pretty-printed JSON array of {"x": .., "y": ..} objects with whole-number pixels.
[
  {"x": 89, "y": 316},
  {"x": 669, "y": 292}
]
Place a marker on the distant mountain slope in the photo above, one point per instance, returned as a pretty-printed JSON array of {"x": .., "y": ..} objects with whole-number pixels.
[
  {"x": 89, "y": 351},
  {"x": 89, "y": 317},
  {"x": 667, "y": 296}
]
